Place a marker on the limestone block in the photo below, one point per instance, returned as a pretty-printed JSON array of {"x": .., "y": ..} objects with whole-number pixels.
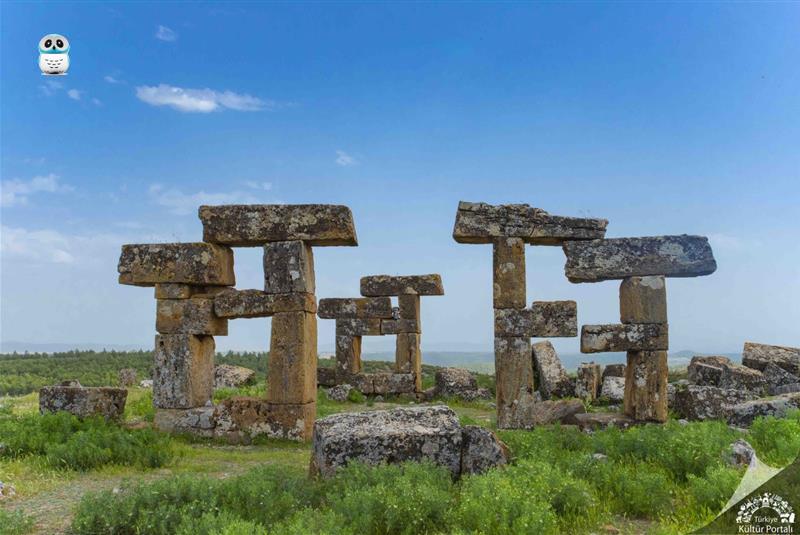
[
  {"x": 624, "y": 337},
  {"x": 392, "y": 383},
  {"x": 348, "y": 354},
  {"x": 288, "y": 267},
  {"x": 399, "y": 326},
  {"x": 619, "y": 258},
  {"x": 355, "y": 308},
  {"x": 184, "y": 263},
  {"x": 167, "y": 290},
  {"x": 389, "y": 285},
  {"x": 358, "y": 327},
  {"x": 292, "y": 375},
  {"x": 408, "y": 357},
  {"x": 231, "y": 376},
  {"x": 481, "y": 450},
  {"x": 183, "y": 372},
  {"x": 744, "y": 414},
  {"x": 613, "y": 389},
  {"x": 759, "y": 355},
  {"x": 189, "y": 316},
  {"x": 550, "y": 374},
  {"x": 326, "y": 376},
  {"x": 256, "y": 224},
  {"x": 544, "y": 319},
  {"x": 508, "y": 258},
  {"x": 83, "y": 402},
  {"x": 513, "y": 370},
  {"x": 614, "y": 370},
  {"x": 588, "y": 382},
  {"x": 409, "y": 308},
  {"x": 646, "y": 385},
  {"x": 549, "y": 412},
  {"x": 482, "y": 223},
  {"x": 695, "y": 402},
  {"x": 260, "y": 304},
  {"x": 643, "y": 300}
]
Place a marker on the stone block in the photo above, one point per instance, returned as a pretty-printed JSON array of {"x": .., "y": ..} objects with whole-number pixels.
[
  {"x": 399, "y": 326},
  {"x": 757, "y": 356},
  {"x": 358, "y": 327},
  {"x": 508, "y": 258},
  {"x": 481, "y": 450},
  {"x": 613, "y": 389},
  {"x": 199, "y": 421},
  {"x": 189, "y": 316},
  {"x": 744, "y": 414},
  {"x": 513, "y": 370},
  {"x": 643, "y": 300},
  {"x": 392, "y": 383},
  {"x": 619, "y": 258},
  {"x": 561, "y": 411},
  {"x": 389, "y": 285},
  {"x": 183, "y": 263},
  {"x": 482, "y": 223},
  {"x": 409, "y": 308},
  {"x": 614, "y": 370},
  {"x": 551, "y": 376},
  {"x": 326, "y": 376},
  {"x": 167, "y": 290},
  {"x": 695, "y": 402},
  {"x": 408, "y": 357},
  {"x": 260, "y": 304},
  {"x": 646, "y": 386},
  {"x": 544, "y": 319},
  {"x": 288, "y": 267},
  {"x": 776, "y": 378},
  {"x": 588, "y": 382},
  {"x": 292, "y": 375},
  {"x": 257, "y": 417},
  {"x": 83, "y": 402},
  {"x": 348, "y": 354},
  {"x": 183, "y": 372},
  {"x": 231, "y": 376},
  {"x": 624, "y": 337},
  {"x": 592, "y": 421},
  {"x": 251, "y": 225},
  {"x": 355, "y": 308}
]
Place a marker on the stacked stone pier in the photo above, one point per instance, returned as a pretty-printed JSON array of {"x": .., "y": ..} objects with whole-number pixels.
[
  {"x": 373, "y": 315},
  {"x": 642, "y": 264},
  {"x": 508, "y": 228},
  {"x": 195, "y": 299}
]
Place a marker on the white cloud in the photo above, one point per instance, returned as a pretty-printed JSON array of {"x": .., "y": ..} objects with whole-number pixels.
[
  {"x": 266, "y": 186},
  {"x": 166, "y": 34},
  {"x": 199, "y": 100},
  {"x": 16, "y": 192},
  {"x": 112, "y": 80},
  {"x": 74, "y": 94},
  {"x": 344, "y": 159},
  {"x": 50, "y": 87},
  {"x": 37, "y": 245},
  {"x": 180, "y": 203}
]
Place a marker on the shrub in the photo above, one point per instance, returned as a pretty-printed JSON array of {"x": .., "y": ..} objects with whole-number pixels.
[
  {"x": 355, "y": 396},
  {"x": 15, "y": 523},
  {"x": 223, "y": 524},
  {"x": 140, "y": 408},
  {"x": 715, "y": 489},
  {"x": 776, "y": 440},
  {"x": 313, "y": 522}
]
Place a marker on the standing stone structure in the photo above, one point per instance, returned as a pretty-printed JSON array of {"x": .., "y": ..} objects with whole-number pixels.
[
  {"x": 373, "y": 315},
  {"x": 508, "y": 228},
  {"x": 195, "y": 299},
  {"x": 642, "y": 264}
]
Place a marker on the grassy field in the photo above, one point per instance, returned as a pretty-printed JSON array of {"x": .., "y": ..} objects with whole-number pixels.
[{"x": 92, "y": 477}]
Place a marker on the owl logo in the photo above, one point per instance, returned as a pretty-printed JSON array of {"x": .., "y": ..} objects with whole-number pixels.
[{"x": 54, "y": 54}]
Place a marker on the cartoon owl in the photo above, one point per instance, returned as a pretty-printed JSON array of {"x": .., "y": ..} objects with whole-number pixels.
[{"x": 54, "y": 54}]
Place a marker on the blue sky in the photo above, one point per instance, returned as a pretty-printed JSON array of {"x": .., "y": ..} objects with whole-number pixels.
[{"x": 663, "y": 118}]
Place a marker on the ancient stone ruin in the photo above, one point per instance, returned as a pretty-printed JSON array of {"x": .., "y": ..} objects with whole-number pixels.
[
  {"x": 83, "y": 401},
  {"x": 373, "y": 315},
  {"x": 195, "y": 299}
]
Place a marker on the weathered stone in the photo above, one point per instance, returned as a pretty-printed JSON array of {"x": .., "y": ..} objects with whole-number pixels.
[
  {"x": 186, "y": 263},
  {"x": 776, "y": 378},
  {"x": 785, "y": 389},
  {"x": 408, "y": 356},
  {"x": 339, "y": 392},
  {"x": 288, "y": 268},
  {"x": 613, "y": 389},
  {"x": 742, "y": 377},
  {"x": 513, "y": 370},
  {"x": 603, "y": 420},
  {"x": 348, "y": 354},
  {"x": 707, "y": 402},
  {"x": 619, "y": 258},
  {"x": 199, "y": 421},
  {"x": 393, "y": 383},
  {"x": 548, "y": 412},
  {"x": 252, "y": 417},
  {"x": 643, "y": 300},
  {"x": 146, "y": 383},
  {"x": 587, "y": 384},
  {"x": 326, "y": 376},
  {"x": 481, "y": 450},
  {"x": 189, "y": 316},
  {"x": 395, "y": 436},
  {"x": 759, "y": 355},
  {"x": 743, "y": 414},
  {"x": 260, "y": 304},
  {"x": 389, "y": 285},
  {"x": 355, "y": 308},
  {"x": 720, "y": 371},
  {"x": 741, "y": 454},
  {"x": 175, "y": 291},
  {"x": 543, "y": 319},
  {"x": 409, "y": 307},
  {"x": 624, "y": 337},
  {"x": 358, "y": 327},
  {"x": 292, "y": 377},
  {"x": 482, "y": 223},
  {"x": 83, "y": 402},
  {"x": 551, "y": 376},
  {"x": 230, "y": 376},
  {"x": 126, "y": 377},
  {"x": 183, "y": 375},
  {"x": 399, "y": 326},
  {"x": 456, "y": 383},
  {"x": 614, "y": 370},
  {"x": 509, "y": 273},
  {"x": 646, "y": 377},
  {"x": 706, "y": 371},
  {"x": 257, "y": 224}
]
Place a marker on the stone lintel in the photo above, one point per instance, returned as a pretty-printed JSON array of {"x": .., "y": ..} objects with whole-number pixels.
[
  {"x": 391, "y": 285},
  {"x": 399, "y": 326},
  {"x": 355, "y": 308},
  {"x": 358, "y": 327},
  {"x": 199, "y": 263},
  {"x": 260, "y": 304},
  {"x": 624, "y": 337}
]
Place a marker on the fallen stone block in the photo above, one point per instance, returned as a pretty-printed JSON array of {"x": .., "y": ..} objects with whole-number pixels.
[
  {"x": 613, "y": 389},
  {"x": 392, "y": 383},
  {"x": 355, "y": 308},
  {"x": 481, "y": 450},
  {"x": 643, "y": 300},
  {"x": 543, "y": 319},
  {"x": 400, "y": 435},
  {"x": 548, "y": 412},
  {"x": 339, "y": 393},
  {"x": 358, "y": 327},
  {"x": 619, "y": 258},
  {"x": 189, "y": 316},
  {"x": 252, "y": 225},
  {"x": 614, "y": 370},
  {"x": 199, "y": 421},
  {"x": 785, "y": 389},
  {"x": 232, "y": 304},
  {"x": 186, "y": 263},
  {"x": 593, "y": 421},
  {"x": 776, "y": 378},
  {"x": 587, "y": 384},
  {"x": 230, "y": 376},
  {"x": 399, "y": 326},
  {"x": 288, "y": 268},
  {"x": 508, "y": 258},
  {"x": 721, "y": 372},
  {"x": 706, "y": 370},
  {"x": 83, "y": 402},
  {"x": 551, "y": 376},
  {"x": 646, "y": 376},
  {"x": 482, "y": 223},
  {"x": 707, "y": 402},
  {"x": 743, "y": 414},
  {"x": 389, "y": 285},
  {"x": 183, "y": 375},
  {"x": 456, "y": 383},
  {"x": 624, "y": 337},
  {"x": 292, "y": 376},
  {"x": 757, "y": 356}
]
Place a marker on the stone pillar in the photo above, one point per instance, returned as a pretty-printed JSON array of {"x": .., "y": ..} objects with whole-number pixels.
[
  {"x": 408, "y": 357},
  {"x": 183, "y": 375},
  {"x": 348, "y": 355},
  {"x": 643, "y": 300},
  {"x": 587, "y": 385}
]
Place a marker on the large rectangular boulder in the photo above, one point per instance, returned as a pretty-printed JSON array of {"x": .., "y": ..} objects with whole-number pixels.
[
  {"x": 759, "y": 355},
  {"x": 643, "y": 300},
  {"x": 695, "y": 402},
  {"x": 624, "y": 337},
  {"x": 743, "y": 414},
  {"x": 508, "y": 283},
  {"x": 260, "y": 304},
  {"x": 355, "y": 308},
  {"x": 543, "y": 319},
  {"x": 251, "y": 225},
  {"x": 513, "y": 371},
  {"x": 645, "y": 395},
  {"x": 391, "y": 285},
  {"x": 292, "y": 377},
  {"x": 83, "y": 402},
  {"x": 482, "y": 223},
  {"x": 288, "y": 267},
  {"x": 551, "y": 377},
  {"x": 185, "y": 263},
  {"x": 189, "y": 316},
  {"x": 183, "y": 374},
  {"x": 619, "y": 258}
]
